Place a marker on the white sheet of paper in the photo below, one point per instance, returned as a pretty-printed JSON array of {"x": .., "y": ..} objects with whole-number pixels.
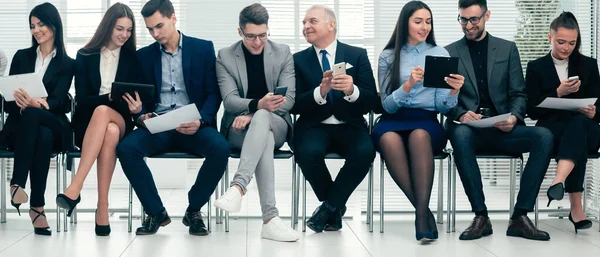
[
  {"x": 30, "y": 82},
  {"x": 569, "y": 104},
  {"x": 172, "y": 119},
  {"x": 487, "y": 122}
]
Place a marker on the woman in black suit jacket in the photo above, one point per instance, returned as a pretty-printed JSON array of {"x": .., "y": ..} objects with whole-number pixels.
[
  {"x": 38, "y": 126},
  {"x": 100, "y": 121},
  {"x": 575, "y": 133}
]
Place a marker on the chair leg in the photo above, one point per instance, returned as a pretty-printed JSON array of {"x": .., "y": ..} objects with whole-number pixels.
[
  {"x": 453, "y": 227},
  {"x": 370, "y": 200},
  {"x": 218, "y": 188},
  {"x": 209, "y": 212},
  {"x": 440, "y": 200},
  {"x": 294, "y": 206},
  {"x": 130, "y": 210},
  {"x": 74, "y": 214},
  {"x": 297, "y": 193},
  {"x": 303, "y": 204},
  {"x": 381, "y": 192},
  {"x": 64, "y": 188},
  {"x": 449, "y": 193},
  {"x": 3, "y": 193},
  {"x": 226, "y": 176},
  {"x": 512, "y": 175}
]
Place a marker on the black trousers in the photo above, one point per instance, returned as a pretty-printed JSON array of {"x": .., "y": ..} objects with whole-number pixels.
[
  {"x": 38, "y": 134},
  {"x": 574, "y": 138},
  {"x": 349, "y": 141},
  {"x": 466, "y": 142}
]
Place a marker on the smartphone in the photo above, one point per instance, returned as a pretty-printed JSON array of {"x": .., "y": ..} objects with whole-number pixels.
[
  {"x": 339, "y": 68},
  {"x": 573, "y": 78},
  {"x": 280, "y": 91}
]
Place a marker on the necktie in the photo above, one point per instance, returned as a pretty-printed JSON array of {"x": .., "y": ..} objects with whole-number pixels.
[{"x": 326, "y": 67}]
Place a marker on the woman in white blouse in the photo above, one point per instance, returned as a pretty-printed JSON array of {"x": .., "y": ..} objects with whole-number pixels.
[
  {"x": 100, "y": 121},
  {"x": 37, "y": 127}
]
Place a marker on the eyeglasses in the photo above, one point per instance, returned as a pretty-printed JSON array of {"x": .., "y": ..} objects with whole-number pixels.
[
  {"x": 253, "y": 37},
  {"x": 473, "y": 20}
]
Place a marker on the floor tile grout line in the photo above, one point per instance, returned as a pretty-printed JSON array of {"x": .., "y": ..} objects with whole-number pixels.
[
  {"x": 128, "y": 245},
  {"x": 9, "y": 246},
  {"x": 357, "y": 237}
]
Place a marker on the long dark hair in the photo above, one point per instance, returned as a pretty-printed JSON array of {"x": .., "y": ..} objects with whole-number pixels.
[
  {"x": 105, "y": 29},
  {"x": 48, "y": 14},
  {"x": 400, "y": 37}
]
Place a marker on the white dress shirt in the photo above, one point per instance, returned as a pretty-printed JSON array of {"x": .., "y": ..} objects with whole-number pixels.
[
  {"x": 41, "y": 63},
  {"x": 331, "y": 50},
  {"x": 109, "y": 60}
]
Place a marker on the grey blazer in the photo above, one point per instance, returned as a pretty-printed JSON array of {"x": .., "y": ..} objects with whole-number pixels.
[
  {"x": 233, "y": 81},
  {"x": 505, "y": 78}
]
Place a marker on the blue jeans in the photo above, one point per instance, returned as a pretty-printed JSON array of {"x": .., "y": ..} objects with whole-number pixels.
[
  {"x": 466, "y": 142},
  {"x": 140, "y": 143}
]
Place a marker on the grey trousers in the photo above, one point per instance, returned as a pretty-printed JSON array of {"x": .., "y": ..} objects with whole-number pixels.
[{"x": 266, "y": 132}]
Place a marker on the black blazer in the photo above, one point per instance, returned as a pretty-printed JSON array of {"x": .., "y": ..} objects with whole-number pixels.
[
  {"x": 542, "y": 81},
  {"x": 57, "y": 80},
  {"x": 87, "y": 88},
  {"x": 505, "y": 79},
  {"x": 309, "y": 76}
]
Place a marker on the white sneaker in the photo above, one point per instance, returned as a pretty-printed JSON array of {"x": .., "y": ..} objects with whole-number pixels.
[
  {"x": 278, "y": 231},
  {"x": 231, "y": 201}
]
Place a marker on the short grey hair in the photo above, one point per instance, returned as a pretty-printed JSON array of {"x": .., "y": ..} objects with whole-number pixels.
[{"x": 329, "y": 13}]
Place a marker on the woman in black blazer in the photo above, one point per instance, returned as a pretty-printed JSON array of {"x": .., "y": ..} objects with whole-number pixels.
[
  {"x": 36, "y": 127},
  {"x": 576, "y": 133},
  {"x": 100, "y": 121}
]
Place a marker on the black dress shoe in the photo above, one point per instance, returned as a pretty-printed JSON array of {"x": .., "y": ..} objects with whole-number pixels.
[
  {"x": 523, "y": 227},
  {"x": 480, "y": 227},
  {"x": 335, "y": 221},
  {"x": 320, "y": 216},
  {"x": 153, "y": 222},
  {"x": 101, "y": 230},
  {"x": 195, "y": 222},
  {"x": 67, "y": 203},
  {"x": 555, "y": 192}
]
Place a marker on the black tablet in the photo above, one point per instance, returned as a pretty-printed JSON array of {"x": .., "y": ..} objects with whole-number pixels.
[
  {"x": 437, "y": 68},
  {"x": 146, "y": 91}
]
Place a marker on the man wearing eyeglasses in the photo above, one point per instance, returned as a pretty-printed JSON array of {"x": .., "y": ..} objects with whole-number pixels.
[
  {"x": 494, "y": 86},
  {"x": 256, "y": 78},
  {"x": 331, "y": 109}
]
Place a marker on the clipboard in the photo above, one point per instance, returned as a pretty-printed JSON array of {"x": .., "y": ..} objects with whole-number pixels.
[{"x": 437, "y": 68}]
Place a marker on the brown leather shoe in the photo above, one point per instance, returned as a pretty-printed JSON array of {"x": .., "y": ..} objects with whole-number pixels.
[
  {"x": 480, "y": 227},
  {"x": 523, "y": 227}
]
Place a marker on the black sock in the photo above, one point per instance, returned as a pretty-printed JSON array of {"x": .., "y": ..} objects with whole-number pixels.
[
  {"x": 482, "y": 213},
  {"x": 192, "y": 209},
  {"x": 518, "y": 212}
]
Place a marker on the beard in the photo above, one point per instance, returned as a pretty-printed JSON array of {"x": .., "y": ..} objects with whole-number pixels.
[{"x": 477, "y": 36}]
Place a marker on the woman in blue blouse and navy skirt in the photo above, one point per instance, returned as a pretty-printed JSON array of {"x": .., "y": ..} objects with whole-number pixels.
[{"x": 409, "y": 134}]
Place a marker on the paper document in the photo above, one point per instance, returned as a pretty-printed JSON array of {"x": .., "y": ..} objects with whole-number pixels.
[
  {"x": 30, "y": 82},
  {"x": 487, "y": 122},
  {"x": 569, "y": 104},
  {"x": 172, "y": 119}
]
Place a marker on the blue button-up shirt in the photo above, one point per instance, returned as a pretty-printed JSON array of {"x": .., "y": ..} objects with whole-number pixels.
[
  {"x": 172, "y": 91},
  {"x": 432, "y": 99}
]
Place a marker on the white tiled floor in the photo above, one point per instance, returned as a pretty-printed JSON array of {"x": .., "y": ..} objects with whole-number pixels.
[{"x": 18, "y": 240}]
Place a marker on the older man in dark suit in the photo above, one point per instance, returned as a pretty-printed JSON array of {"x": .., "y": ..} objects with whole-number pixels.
[{"x": 331, "y": 112}]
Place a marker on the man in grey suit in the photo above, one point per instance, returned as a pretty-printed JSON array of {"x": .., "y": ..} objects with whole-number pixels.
[
  {"x": 495, "y": 85},
  {"x": 252, "y": 74}
]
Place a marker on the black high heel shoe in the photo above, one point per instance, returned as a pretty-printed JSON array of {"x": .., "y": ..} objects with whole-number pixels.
[
  {"x": 100, "y": 229},
  {"x": 433, "y": 225},
  {"x": 555, "y": 192},
  {"x": 45, "y": 231},
  {"x": 67, "y": 203},
  {"x": 582, "y": 224},
  {"x": 427, "y": 236},
  {"x": 18, "y": 196}
]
